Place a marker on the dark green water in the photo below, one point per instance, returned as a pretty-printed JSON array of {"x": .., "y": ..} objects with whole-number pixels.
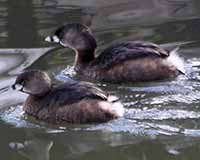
[{"x": 162, "y": 118}]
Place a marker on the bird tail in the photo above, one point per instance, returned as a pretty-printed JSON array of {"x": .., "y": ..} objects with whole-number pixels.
[
  {"x": 117, "y": 106},
  {"x": 177, "y": 61}
]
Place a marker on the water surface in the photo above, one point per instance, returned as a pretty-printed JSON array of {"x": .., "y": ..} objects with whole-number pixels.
[{"x": 162, "y": 118}]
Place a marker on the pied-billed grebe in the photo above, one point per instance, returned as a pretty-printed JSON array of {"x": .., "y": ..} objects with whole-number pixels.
[
  {"x": 74, "y": 102},
  {"x": 125, "y": 62}
]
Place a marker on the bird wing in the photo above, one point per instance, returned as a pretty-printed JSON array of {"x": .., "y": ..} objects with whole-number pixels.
[
  {"x": 129, "y": 50},
  {"x": 71, "y": 93}
]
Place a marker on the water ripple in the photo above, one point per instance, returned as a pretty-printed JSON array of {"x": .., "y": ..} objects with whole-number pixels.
[
  {"x": 15, "y": 116},
  {"x": 189, "y": 98},
  {"x": 136, "y": 128},
  {"x": 157, "y": 114}
]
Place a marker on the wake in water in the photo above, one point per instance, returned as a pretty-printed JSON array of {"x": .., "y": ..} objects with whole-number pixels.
[
  {"x": 4, "y": 89},
  {"x": 146, "y": 122}
]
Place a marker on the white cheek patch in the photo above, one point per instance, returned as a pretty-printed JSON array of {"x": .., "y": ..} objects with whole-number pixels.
[
  {"x": 26, "y": 91},
  {"x": 62, "y": 44}
]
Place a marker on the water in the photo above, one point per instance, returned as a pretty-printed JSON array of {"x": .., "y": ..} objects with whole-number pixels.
[{"x": 162, "y": 118}]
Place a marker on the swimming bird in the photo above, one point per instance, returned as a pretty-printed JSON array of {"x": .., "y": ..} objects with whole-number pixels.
[
  {"x": 131, "y": 61},
  {"x": 72, "y": 102}
]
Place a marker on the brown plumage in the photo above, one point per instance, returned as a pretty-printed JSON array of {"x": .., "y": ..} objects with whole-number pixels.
[
  {"x": 74, "y": 102},
  {"x": 124, "y": 62}
]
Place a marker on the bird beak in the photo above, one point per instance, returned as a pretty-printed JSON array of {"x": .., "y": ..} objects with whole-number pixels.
[
  {"x": 53, "y": 38},
  {"x": 47, "y": 39},
  {"x": 18, "y": 87}
]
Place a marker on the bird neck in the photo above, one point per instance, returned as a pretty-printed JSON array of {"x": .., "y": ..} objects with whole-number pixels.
[{"x": 83, "y": 58}]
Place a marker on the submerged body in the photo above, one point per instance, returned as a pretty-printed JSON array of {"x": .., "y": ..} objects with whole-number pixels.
[
  {"x": 132, "y": 61},
  {"x": 76, "y": 102}
]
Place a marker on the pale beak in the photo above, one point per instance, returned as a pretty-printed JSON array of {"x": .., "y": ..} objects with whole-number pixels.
[
  {"x": 18, "y": 87},
  {"x": 47, "y": 39},
  {"x": 53, "y": 38}
]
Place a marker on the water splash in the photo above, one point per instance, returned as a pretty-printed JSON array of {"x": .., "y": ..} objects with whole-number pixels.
[
  {"x": 66, "y": 74},
  {"x": 15, "y": 116}
]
